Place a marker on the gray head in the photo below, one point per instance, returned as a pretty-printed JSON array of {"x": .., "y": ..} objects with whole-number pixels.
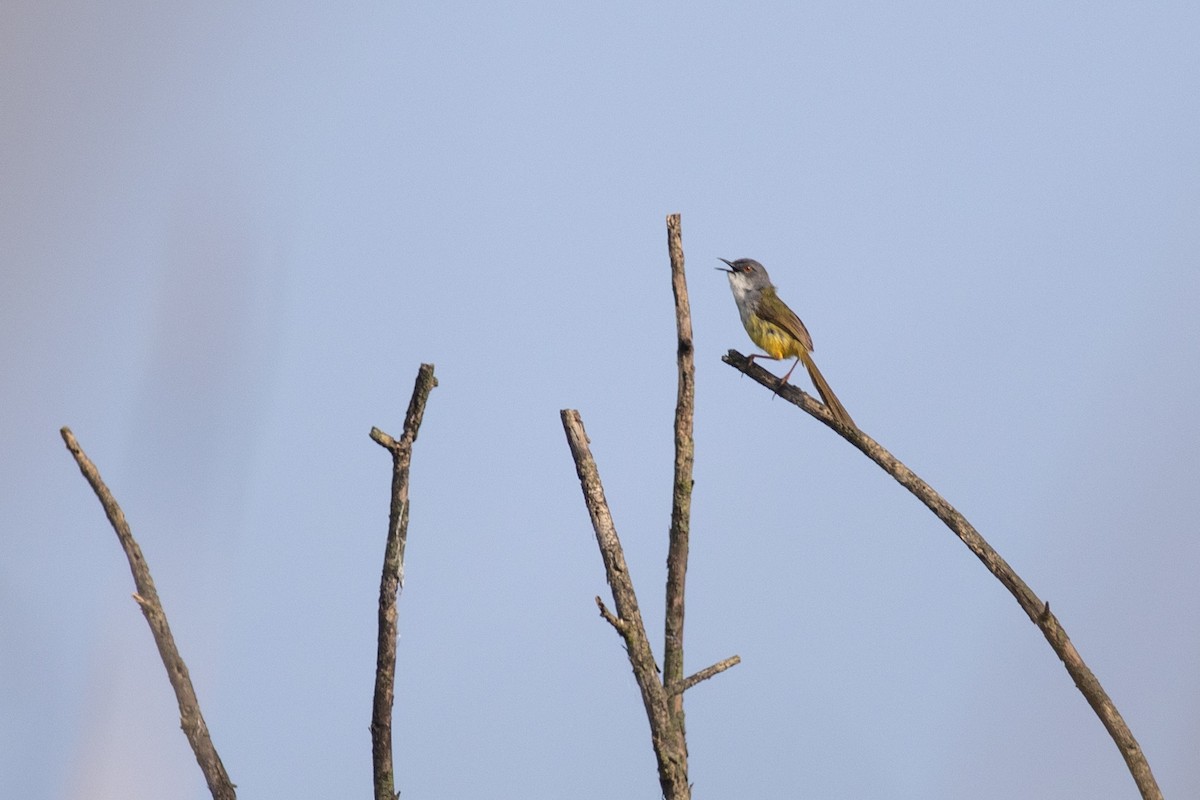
[
  {"x": 746, "y": 273},
  {"x": 748, "y": 280}
]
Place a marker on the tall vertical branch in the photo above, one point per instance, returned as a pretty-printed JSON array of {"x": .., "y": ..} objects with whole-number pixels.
[
  {"x": 392, "y": 581},
  {"x": 1036, "y": 609},
  {"x": 190, "y": 718},
  {"x": 681, "y": 496}
]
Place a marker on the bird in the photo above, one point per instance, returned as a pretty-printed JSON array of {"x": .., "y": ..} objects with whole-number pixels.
[{"x": 776, "y": 329}]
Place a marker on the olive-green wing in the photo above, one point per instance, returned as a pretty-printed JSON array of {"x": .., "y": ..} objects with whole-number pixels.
[{"x": 775, "y": 311}]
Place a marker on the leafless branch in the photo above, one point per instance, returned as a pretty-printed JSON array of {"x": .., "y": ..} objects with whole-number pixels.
[
  {"x": 704, "y": 674},
  {"x": 1037, "y": 610},
  {"x": 609, "y": 617},
  {"x": 681, "y": 496},
  {"x": 669, "y": 745},
  {"x": 391, "y": 583},
  {"x": 664, "y": 708},
  {"x": 190, "y": 718}
]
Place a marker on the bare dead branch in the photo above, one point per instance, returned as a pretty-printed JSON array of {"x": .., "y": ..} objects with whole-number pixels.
[
  {"x": 681, "y": 496},
  {"x": 664, "y": 709},
  {"x": 610, "y": 617},
  {"x": 392, "y": 582},
  {"x": 669, "y": 746},
  {"x": 190, "y": 718},
  {"x": 1037, "y": 610},
  {"x": 704, "y": 674}
]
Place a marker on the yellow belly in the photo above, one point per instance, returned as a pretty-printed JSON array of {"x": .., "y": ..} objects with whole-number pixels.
[{"x": 775, "y": 341}]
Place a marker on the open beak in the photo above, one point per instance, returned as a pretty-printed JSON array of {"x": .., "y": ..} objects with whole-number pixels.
[{"x": 727, "y": 261}]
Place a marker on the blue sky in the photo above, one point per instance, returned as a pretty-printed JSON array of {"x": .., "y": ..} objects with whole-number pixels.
[{"x": 232, "y": 231}]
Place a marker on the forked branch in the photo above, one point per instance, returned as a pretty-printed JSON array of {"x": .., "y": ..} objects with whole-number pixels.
[
  {"x": 662, "y": 697},
  {"x": 669, "y": 746}
]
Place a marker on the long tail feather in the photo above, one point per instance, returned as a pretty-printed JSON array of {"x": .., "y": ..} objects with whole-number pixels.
[{"x": 827, "y": 396}]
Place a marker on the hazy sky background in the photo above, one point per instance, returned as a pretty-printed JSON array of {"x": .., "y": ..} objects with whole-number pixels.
[{"x": 230, "y": 233}]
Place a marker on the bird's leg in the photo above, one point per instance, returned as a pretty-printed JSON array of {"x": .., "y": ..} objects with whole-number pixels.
[
  {"x": 773, "y": 358},
  {"x": 790, "y": 371},
  {"x": 753, "y": 356},
  {"x": 783, "y": 381}
]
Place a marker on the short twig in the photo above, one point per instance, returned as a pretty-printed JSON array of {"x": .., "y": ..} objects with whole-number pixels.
[
  {"x": 704, "y": 674},
  {"x": 610, "y": 617}
]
